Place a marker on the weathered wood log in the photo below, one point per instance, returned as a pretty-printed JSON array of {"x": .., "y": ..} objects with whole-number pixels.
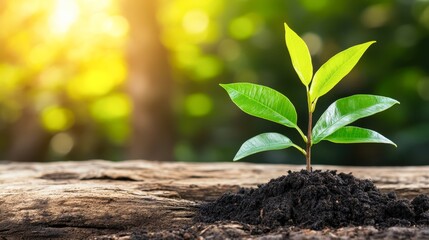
[{"x": 111, "y": 200}]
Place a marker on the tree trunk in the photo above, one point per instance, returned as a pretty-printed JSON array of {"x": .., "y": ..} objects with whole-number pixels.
[
  {"x": 149, "y": 85},
  {"x": 79, "y": 200},
  {"x": 28, "y": 140}
]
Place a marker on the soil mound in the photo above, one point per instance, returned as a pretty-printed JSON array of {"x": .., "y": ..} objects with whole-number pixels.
[{"x": 317, "y": 200}]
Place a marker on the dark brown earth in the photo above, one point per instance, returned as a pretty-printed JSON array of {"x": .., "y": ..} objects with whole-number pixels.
[
  {"x": 317, "y": 200},
  {"x": 308, "y": 205}
]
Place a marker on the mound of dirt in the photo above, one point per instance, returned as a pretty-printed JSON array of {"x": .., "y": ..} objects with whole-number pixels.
[{"x": 317, "y": 200}]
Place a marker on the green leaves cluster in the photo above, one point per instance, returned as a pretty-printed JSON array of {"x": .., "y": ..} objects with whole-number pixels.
[{"x": 266, "y": 103}]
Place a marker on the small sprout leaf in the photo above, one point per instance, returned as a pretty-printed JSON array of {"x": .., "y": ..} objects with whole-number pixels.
[
  {"x": 347, "y": 110},
  {"x": 335, "y": 69},
  {"x": 263, "y": 142},
  {"x": 262, "y": 102},
  {"x": 300, "y": 55},
  {"x": 351, "y": 134}
]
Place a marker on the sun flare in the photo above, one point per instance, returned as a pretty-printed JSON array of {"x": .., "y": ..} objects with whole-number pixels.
[{"x": 64, "y": 14}]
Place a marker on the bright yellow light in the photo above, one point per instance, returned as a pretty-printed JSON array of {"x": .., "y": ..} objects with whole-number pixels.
[
  {"x": 112, "y": 25},
  {"x": 93, "y": 83},
  {"x": 195, "y": 21},
  {"x": 9, "y": 78},
  {"x": 112, "y": 107},
  {"x": 105, "y": 73},
  {"x": 116, "y": 26},
  {"x": 57, "y": 119},
  {"x": 65, "y": 13}
]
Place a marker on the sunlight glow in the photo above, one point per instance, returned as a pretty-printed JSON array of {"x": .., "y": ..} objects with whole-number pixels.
[
  {"x": 116, "y": 26},
  {"x": 57, "y": 118},
  {"x": 112, "y": 107},
  {"x": 195, "y": 21},
  {"x": 65, "y": 13},
  {"x": 60, "y": 54}
]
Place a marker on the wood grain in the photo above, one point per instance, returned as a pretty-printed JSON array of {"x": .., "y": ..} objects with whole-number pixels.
[{"x": 72, "y": 200}]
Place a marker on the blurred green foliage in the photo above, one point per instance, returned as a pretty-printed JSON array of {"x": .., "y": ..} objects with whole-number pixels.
[
  {"x": 214, "y": 42},
  {"x": 67, "y": 62}
]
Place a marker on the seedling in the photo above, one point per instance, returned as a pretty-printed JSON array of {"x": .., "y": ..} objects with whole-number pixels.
[{"x": 267, "y": 103}]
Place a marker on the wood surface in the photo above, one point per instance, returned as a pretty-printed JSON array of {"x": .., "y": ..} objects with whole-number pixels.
[{"x": 116, "y": 200}]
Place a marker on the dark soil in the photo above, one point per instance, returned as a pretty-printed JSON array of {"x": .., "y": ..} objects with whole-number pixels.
[{"x": 317, "y": 200}]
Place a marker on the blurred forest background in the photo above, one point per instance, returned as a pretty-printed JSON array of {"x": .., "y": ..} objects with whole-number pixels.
[{"x": 130, "y": 79}]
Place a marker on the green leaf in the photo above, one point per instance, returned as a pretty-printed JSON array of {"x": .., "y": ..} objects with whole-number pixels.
[
  {"x": 351, "y": 134},
  {"x": 347, "y": 110},
  {"x": 335, "y": 69},
  {"x": 263, "y": 142},
  {"x": 300, "y": 55},
  {"x": 262, "y": 102}
]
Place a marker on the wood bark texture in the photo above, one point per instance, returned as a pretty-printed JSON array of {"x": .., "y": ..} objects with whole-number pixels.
[{"x": 119, "y": 200}]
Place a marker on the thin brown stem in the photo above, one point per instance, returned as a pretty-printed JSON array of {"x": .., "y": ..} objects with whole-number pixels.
[
  {"x": 308, "y": 147},
  {"x": 311, "y": 106}
]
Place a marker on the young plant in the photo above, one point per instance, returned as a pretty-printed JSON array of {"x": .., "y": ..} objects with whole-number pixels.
[{"x": 333, "y": 125}]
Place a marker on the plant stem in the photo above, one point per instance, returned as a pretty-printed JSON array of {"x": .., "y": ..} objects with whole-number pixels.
[
  {"x": 302, "y": 134},
  {"x": 308, "y": 147},
  {"x": 309, "y": 129},
  {"x": 300, "y": 149}
]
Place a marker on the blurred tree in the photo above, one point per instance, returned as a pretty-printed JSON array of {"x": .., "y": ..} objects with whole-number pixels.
[
  {"x": 70, "y": 91},
  {"x": 149, "y": 85},
  {"x": 27, "y": 140},
  {"x": 24, "y": 147}
]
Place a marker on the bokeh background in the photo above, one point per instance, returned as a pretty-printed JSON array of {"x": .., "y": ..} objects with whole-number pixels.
[{"x": 130, "y": 79}]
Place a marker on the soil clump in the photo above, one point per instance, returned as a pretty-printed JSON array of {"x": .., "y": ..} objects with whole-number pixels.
[{"x": 317, "y": 200}]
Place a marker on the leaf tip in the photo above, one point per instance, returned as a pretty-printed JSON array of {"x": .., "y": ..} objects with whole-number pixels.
[
  {"x": 286, "y": 26},
  {"x": 369, "y": 43},
  {"x": 223, "y": 85},
  {"x": 394, "y": 101},
  {"x": 388, "y": 141}
]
